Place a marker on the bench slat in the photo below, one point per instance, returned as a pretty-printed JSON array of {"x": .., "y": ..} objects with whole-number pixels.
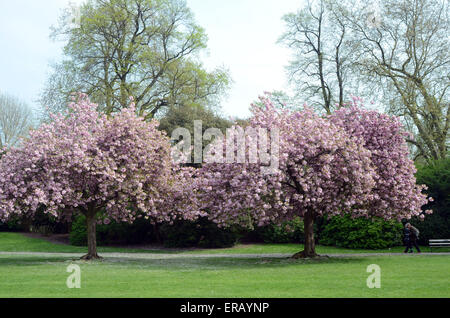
[{"x": 439, "y": 243}]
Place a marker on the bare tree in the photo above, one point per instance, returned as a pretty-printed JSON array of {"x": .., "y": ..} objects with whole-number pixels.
[
  {"x": 393, "y": 51},
  {"x": 317, "y": 37},
  {"x": 407, "y": 52},
  {"x": 15, "y": 120}
]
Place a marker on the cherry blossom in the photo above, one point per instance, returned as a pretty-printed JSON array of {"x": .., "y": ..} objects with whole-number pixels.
[{"x": 85, "y": 162}]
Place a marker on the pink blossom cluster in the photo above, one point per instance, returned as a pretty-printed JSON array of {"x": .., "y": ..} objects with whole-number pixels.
[
  {"x": 85, "y": 160},
  {"x": 395, "y": 194},
  {"x": 354, "y": 161}
]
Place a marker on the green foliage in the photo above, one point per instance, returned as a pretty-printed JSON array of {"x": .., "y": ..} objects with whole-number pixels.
[
  {"x": 47, "y": 224},
  {"x": 13, "y": 225},
  {"x": 141, "y": 231},
  {"x": 437, "y": 177},
  {"x": 288, "y": 232},
  {"x": 202, "y": 233},
  {"x": 141, "y": 48},
  {"x": 41, "y": 222},
  {"x": 185, "y": 115},
  {"x": 78, "y": 234},
  {"x": 343, "y": 231}
]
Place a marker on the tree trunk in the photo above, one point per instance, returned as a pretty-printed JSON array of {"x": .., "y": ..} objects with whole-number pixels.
[
  {"x": 310, "y": 246},
  {"x": 91, "y": 222}
]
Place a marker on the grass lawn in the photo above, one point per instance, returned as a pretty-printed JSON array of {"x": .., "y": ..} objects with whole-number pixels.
[
  {"x": 17, "y": 242},
  {"x": 190, "y": 276},
  {"x": 401, "y": 276}
]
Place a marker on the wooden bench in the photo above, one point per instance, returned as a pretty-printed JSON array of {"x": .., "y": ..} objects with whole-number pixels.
[{"x": 439, "y": 243}]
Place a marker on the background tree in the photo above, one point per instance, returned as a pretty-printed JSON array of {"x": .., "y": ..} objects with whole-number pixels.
[
  {"x": 143, "y": 48},
  {"x": 184, "y": 117},
  {"x": 398, "y": 50},
  {"x": 115, "y": 167},
  {"x": 321, "y": 51},
  {"x": 16, "y": 119},
  {"x": 407, "y": 51},
  {"x": 280, "y": 99}
]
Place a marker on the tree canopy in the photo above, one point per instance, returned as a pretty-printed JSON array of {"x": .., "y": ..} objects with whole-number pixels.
[
  {"x": 395, "y": 53},
  {"x": 354, "y": 162},
  {"x": 142, "y": 48},
  {"x": 117, "y": 167}
]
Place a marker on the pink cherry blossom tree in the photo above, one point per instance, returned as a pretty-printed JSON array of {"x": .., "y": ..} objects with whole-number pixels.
[
  {"x": 116, "y": 167},
  {"x": 395, "y": 194},
  {"x": 323, "y": 170}
]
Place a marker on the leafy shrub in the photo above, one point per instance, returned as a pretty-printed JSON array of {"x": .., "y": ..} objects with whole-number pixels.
[
  {"x": 141, "y": 231},
  {"x": 202, "y": 233},
  {"x": 437, "y": 177},
  {"x": 41, "y": 222},
  {"x": 78, "y": 233},
  {"x": 343, "y": 231},
  {"x": 47, "y": 224},
  {"x": 13, "y": 225},
  {"x": 288, "y": 232}
]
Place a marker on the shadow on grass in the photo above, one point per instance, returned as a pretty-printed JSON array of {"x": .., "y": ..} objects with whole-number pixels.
[
  {"x": 31, "y": 261},
  {"x": 184, "y": 263},
  {"x": 222, "y": 262}
]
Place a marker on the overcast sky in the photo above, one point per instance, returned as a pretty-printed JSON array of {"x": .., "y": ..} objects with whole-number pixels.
[{"x": 242, "y": 37}]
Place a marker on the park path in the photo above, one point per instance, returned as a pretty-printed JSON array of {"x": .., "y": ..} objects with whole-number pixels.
[{"x": 155, "y": 256}]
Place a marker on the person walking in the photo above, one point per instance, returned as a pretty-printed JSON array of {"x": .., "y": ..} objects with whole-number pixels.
[
  {"x": 407, "y": 238},
  {"x": 413, "y": 238}
]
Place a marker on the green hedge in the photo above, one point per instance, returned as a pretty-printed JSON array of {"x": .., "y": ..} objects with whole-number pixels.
[
  {"x": 343, "y": 231},
  {"x": 47, "y": 224},
  {"x": 141, "y": 231},
  {"x": 437, "y": 225},
  {"x": 13, "y": 225},
  {"x": 337, "y": 231},
  {"x": 78, "y": 234},
  {"x": 41, "y": 222},
  {"x": 288, "y": 232},
  {"x": 202, "y": 233}
]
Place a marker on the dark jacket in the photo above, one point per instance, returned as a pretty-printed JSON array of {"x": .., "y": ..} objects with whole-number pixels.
[{"x": 406, "y": 234}]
